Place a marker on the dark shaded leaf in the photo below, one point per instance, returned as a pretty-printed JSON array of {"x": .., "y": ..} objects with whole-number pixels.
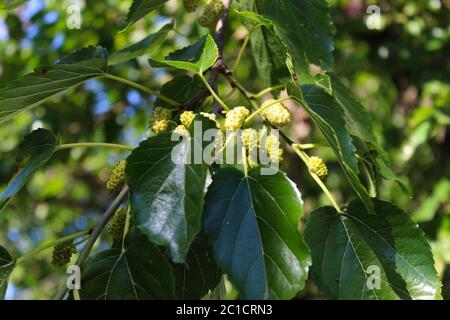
[
  {"x": 35, "y": 151},
  {"x": 138, "y": 272},
  {"x": 199, "y": 274},
  {"x": 181, "y": 89},
  {"x": 305, "y": 27},
  {"x": 6, "y": 266},
  {"x": 345, "y": 247},
  {"x": 252, "y": 223}
]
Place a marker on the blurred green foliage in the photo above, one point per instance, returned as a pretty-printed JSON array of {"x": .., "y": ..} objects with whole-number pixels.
[{"x": 401, "y": 73}]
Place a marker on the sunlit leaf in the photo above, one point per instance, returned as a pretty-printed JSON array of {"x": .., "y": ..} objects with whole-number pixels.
[
  {"x": 351, "y": 251},
  {"x": 252, "y": 222},
  {"x": 198, "y": 57}
]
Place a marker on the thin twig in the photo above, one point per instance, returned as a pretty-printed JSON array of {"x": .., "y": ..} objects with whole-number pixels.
[{"x": 84, "y": 255}]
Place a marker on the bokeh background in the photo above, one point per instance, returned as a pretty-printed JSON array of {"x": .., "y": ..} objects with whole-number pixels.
[{"x": 401, "y": 73}]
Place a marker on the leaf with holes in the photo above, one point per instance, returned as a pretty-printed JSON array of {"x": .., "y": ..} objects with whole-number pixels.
[
  {"x": 31, "y": 90},
  {"x": 357, "y": 255},
  {"x": 252, "y": 222},
  {"x": 167, "y": 188},
  {"x": 34, "y": 152},
  {"x": 197, "y": 57}
]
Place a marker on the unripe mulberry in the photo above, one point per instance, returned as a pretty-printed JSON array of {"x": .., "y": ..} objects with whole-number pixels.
[
  {"x": 277, "y": 114},
  {"x": 235, "y": 118},
  {"x": 186, "y": 118},
  {"x": 117, "y": 224},
  {"x": 211, "y": 14},
  {"x": 159, "y": 120},
  {"x": 250, "y": 138},
  {"x": 318, "y": 166},
  {"x": 62, "y": 253},
  {"x": 117, "y": 178},
  {"x": 160, "y": 126},
  {"x": 190, "y": 5},
  {"x": 181, "y": 130},
  {"x": 273, "y": 149}
]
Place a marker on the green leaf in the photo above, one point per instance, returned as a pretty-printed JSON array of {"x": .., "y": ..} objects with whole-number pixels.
[
  {"x": 31, "y": 90},
  {"x": 138, "y": 272},
  {"x": 347, "y": 247},
  {"x": 6, "y": 266},
  {"x": 199, "y": 274},
  {"x": 148, "y": 45},
  {"x": 198, "y": 57},
  {"x": 328, "y": 116},
  {"x": 252, "y": 222},
  {"x": 34, "y": 152},
  {"x": 181, "y": 89},
  {"x": 167, "y": 196},
  {"x": 139, "y": 9},
  {"x": 359, "y": 124},
  {"x": 305, "y": 27},
  {"x": 269, "y": 53}
]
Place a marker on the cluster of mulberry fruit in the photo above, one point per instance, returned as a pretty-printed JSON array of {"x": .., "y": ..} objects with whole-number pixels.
[
  {"x": 273, "y": 149},
  {"x": 117, "y": 177},
  {"x": 211, "y": 14},
  {"x": 191, "y": 5},
  {"x": 250, "y": 139},
  {"x": 117, "y": 224},
  {"x": 62, "y": 253},
  {"x": 160, "y": 120},
  {"x": 277, "y": 114},
  {"x": 318, "y": 167},
  {"x": 235, "y": 118}
]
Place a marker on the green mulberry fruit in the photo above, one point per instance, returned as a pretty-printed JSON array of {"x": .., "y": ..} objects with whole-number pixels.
[
  {"x": 117, "y": 224},
  {"x": 186, "y": 118},
  {"x": 62, "y": 253},
  {"x": 160, "y": 120},
  {"x": 273, "y": 149},
  {"x": 318, "y": 166},
  {"x": 190, "y": 5},
  {"x": 277, "y": 114},
  {"x": 211, "y": 14},
  {"x": 117, "y": 178},
  {"x": 250, "y": 139},
  {"x": 181, "y": 130},
  {"x": 235, "y": 118}
]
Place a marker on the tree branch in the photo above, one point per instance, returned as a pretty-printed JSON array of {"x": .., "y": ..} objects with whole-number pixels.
[
  {"x": 219, "y": 67},
  {"x": 84, "y": 255}
]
